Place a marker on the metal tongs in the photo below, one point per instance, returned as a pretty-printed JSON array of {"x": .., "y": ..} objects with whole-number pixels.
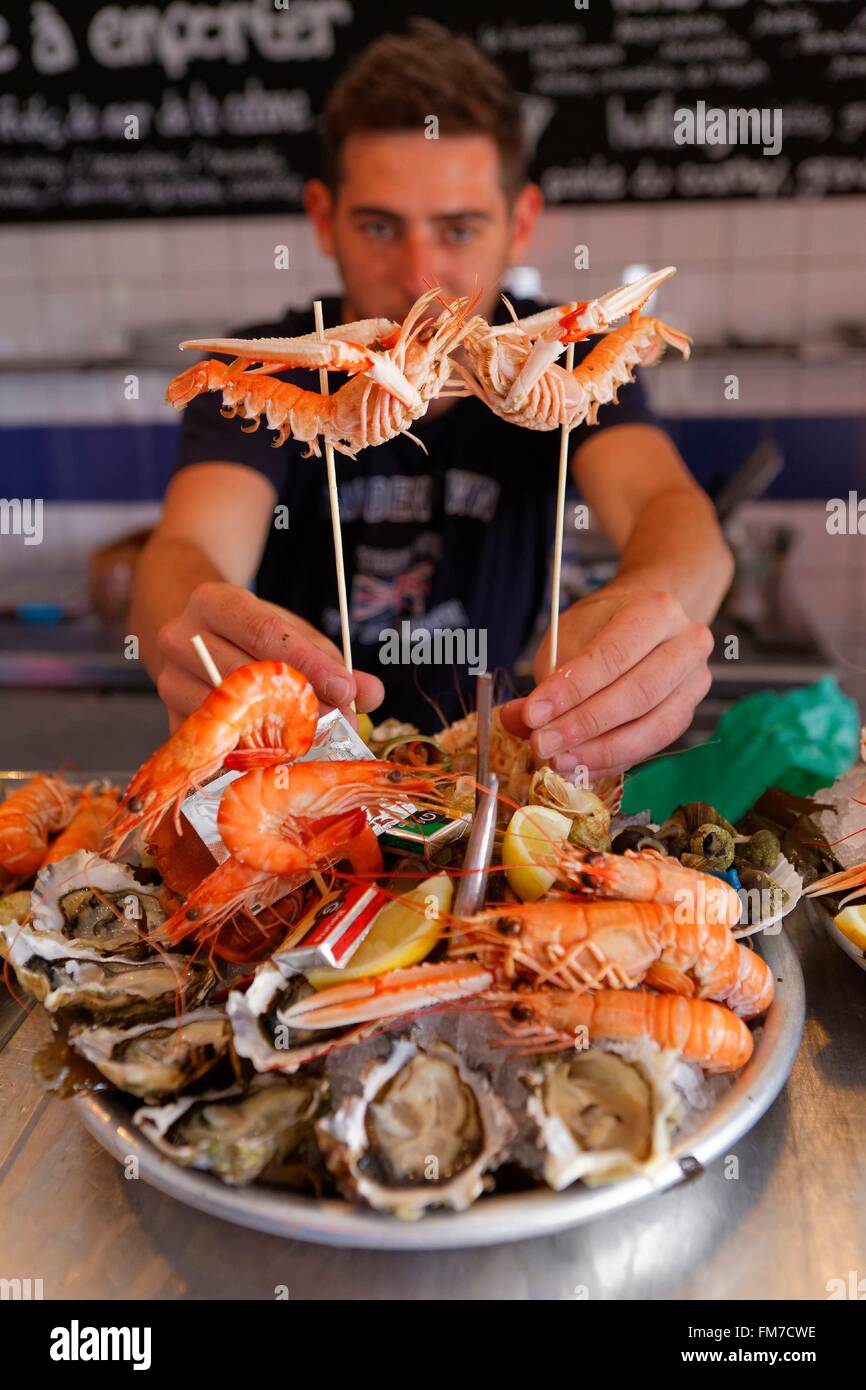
[{"x": 479, "y": 849}]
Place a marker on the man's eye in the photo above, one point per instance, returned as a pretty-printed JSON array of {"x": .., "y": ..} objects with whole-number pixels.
[
  {"x": 459, "y": 232},
  {"x": 378, "y": 231}
]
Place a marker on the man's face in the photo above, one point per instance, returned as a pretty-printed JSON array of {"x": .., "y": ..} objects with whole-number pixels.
[{"x": 411, "y": 213}]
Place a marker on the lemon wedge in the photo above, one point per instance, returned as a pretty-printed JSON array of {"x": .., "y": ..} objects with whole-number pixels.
[
  {"x": 365, "y": 727},
  {"x": 852, "y": 923},
  {"x": 527, "y": 846},
  {"x": 404, "y": 932},
  {"x": 14, "y": 908}
]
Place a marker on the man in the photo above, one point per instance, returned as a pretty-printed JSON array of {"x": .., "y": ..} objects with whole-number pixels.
[{"x": 459, "y": 536}]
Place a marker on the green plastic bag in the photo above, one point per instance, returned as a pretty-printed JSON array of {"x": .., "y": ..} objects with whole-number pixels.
[{"x": 800, "y": 741}]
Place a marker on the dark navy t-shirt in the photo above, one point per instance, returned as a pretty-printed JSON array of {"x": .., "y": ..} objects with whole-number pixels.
[{"x": 459, "y": 537}]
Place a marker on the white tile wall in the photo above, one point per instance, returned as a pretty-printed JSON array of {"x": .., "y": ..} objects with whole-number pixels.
[{"x": 792, "y": 269}]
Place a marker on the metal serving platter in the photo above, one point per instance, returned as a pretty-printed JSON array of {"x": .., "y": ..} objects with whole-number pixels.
[
  {"x": 496, "y": 1219},
  {"x": 492, "y": 1220}
]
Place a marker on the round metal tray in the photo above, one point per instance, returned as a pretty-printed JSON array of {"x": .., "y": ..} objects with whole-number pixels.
[{"x": 495, "y": 1219}]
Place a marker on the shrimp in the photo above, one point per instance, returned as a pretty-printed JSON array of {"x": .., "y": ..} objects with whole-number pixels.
[
  {"x": 262, "y": 713},
  {"x": 27, "y": 818},
  {"x": 217, "y": 910},
  {"x": 647, "y": 876},
  {"x": 86, "y": 829},
  {"x": 619, "y": 945},
  {"x": 552, "y": 1020},
  {"x": 284, "y": 819},
  {"x": 230, "y": 890}
]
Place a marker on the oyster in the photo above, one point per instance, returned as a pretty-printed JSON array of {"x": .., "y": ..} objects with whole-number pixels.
[
  {"x": 259, "y": 1031},
  {"x": 61, "y": 974},
  {"x": 603, "y": 1115},
  {"x": 422, "y": 1133},
  {"x": 237, "y": 1133},
  {"x": 94, "y": 903},
  {"x": 157, "y": 1059}
]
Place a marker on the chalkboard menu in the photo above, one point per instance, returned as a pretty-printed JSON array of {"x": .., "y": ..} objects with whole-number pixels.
[{"x": 203, "y": 106}]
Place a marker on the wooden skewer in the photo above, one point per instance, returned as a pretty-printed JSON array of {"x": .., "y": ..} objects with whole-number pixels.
[
  {"x": 207, "y": 660},
  {"x": 335, "y": 510},
  {"x": 214, "y": 676},
  {"x": 560, "y": 526}
]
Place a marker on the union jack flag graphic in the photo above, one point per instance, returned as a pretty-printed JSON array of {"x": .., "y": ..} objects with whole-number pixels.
[{"x": 389, "y": 598}]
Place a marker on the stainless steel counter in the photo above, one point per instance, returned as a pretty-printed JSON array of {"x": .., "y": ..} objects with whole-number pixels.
[{"x": 793, "y": 1218}]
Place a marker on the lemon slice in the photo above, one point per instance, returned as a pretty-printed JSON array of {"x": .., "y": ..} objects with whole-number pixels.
[
  {"x": 14, "y": 908},
  {"x": 852, "y": 923},
  {"x": 527, "y": 846},
  {"x": 403, "y": 933},
  {"x": 365, "y": 727}
]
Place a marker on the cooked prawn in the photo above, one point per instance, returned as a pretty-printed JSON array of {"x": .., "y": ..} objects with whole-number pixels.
[
  {"x": 27, "y": 818},
  {"x": 87, "y": 827},
  {"x": 230, "y": 888},
  {"x": 262, "y": 713},
  {"x": 287, "y": 819}
]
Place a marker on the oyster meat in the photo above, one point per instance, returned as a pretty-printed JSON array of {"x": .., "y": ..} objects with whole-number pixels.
[
  {"x": 259, "y": 1031},
  {"x": 423, "y": 1132},
  {"x": 94, "y": 903},
  {"x": 238, "y": 1133},
  {"x": 603, "y": 1114},
  {"x": 157, "y": 1059},
  {"x": 62, "y": 975}
]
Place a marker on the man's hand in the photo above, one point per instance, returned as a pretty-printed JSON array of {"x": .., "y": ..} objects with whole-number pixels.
[
  {"x": 237, "y": 627},
  {"x": 632, "y": 668}
]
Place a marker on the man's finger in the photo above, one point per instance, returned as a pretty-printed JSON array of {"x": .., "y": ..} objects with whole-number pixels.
[
  {"x": 175, "y": 643},
  {"x": 260, "y": 630},
  {"x": 180, "y": 691},
  {"x": 632, "y": 743},
  {"x": 636, "y": 693},
  {"x": 511, "y": 714},
  {"x": 371, "y": 692},
  {"x": 629, "y": 636}
]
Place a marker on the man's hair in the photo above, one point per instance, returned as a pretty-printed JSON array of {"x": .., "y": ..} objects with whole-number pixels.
[{"x": 401, "y": 79}]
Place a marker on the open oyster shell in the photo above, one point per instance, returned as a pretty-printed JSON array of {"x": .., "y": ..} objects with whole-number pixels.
[
  {"x": 422, "y": 1133},
  {"x": 259, "y": 1032},
  {"x": 157, "y": 1059},
  {"x": 237, "y": 1133},
  {"x": 117, "y": 917},
  {"x": 61, "y": 974},
  {"x": 603, "y": 1114}
]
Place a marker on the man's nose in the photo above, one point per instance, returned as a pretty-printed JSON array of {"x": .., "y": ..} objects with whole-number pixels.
[{"x": 420, "y": 269}]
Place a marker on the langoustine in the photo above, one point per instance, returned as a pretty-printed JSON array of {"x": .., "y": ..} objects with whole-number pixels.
[
  {"x": 398, "y": 369},
  {"x": 619, "y": 945},
  {"x": 512, "y": 367}
]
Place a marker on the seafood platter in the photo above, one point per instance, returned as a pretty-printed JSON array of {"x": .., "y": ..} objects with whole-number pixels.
[{"x": 410, "y": 993}]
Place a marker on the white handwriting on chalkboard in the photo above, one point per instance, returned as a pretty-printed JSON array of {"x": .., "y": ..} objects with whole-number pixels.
[
  {"x": 52, "y": 45},
  {"x": 232, "y": 31},
  {"x": 9, "y": 55}
]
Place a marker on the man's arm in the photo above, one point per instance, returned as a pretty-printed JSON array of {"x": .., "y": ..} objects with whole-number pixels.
[
  {"x": 192, "y": 578},
  {"x": 213, "y": 527},
  {"x": 632, "y": 661}
]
